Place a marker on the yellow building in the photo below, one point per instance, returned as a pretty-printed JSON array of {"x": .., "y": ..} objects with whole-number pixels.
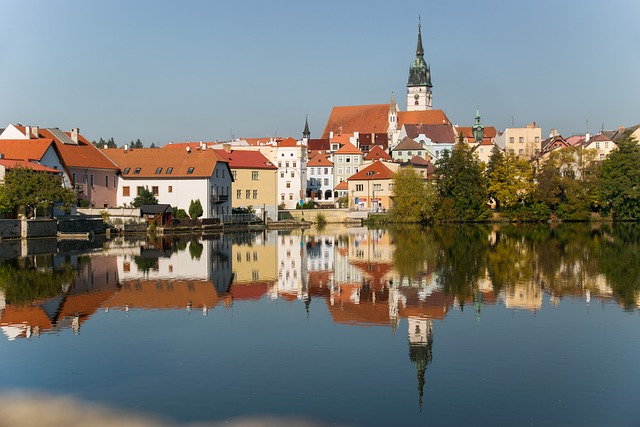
[
  {"x": 523, "y": 142},
  {"x": 371, "y": 188}
]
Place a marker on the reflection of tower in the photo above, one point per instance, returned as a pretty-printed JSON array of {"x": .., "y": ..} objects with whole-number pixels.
[
  {"x": 394, "y": 309},
  {"x": 420, "y": 343}
]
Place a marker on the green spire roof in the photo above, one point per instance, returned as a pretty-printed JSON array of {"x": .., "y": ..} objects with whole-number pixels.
[{"x": 419, "y": 73}]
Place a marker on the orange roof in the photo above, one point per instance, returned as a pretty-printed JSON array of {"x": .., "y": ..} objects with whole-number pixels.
[
  {"x": 319, "y": 160},
  {"x": 357, "y": 118},
  {"x": 427, "y": 117},
  {"x": 184, "y": 145},
  {"x": 25, "y": 149},
  {"x": 150, "y": 160},
  {"x": 154, "y": 294},
  {"x": 377, "y": 153},
  {"x": 288, "y": 142},
  {"x": 348, "y": 148},
  {"x": 342, "y": 186},
  {"x": 12, "y": 164},
  {"x": 376, "y": 170},
  {"x": 467, "y": 131},
  {"x": 246, "y": 159},
  {"x": 84, "y": 154}
]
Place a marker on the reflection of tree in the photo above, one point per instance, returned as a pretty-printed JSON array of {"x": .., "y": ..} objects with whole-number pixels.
[
  {"x": 23, "y": 285},
  {"x": 619, "y": 258},
  {"x": 413, "y": 249},
  {"x": 195, "y": 249},
  {"x": 146, "y": 264},
  {"x": 462, "y": 258}
]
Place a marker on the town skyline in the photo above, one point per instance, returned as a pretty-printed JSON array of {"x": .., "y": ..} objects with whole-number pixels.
[{"x": 216, "y": 72}]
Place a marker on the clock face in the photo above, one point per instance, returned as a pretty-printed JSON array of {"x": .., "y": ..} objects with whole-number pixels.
[{"x": 416, "y": 96}]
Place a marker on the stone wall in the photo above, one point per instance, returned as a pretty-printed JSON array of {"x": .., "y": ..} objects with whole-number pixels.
[
  {"x": 80, "y": 225},
  {"x": 39, "y": 228},
  {"x": 10, "y": 228},
  {"x": 330, "y": 215}
]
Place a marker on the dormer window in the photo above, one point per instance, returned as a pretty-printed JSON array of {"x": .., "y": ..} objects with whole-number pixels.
[
  {"x": 169, "y": 170},
  {"x": 136, "y": 171},
  {"x": 124, "y": 172},
  {"x": 158, "y": 171},
  {"x": 190, "y": 170},
  {"x": 370, "y": 173}
]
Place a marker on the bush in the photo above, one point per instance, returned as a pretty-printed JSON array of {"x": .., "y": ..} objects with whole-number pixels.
[{"x": 195, "y": 209}]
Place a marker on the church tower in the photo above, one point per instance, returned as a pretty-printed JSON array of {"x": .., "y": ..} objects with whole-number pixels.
[
  {"x": 392, "y": 119},
  {"x": 478, "y": 129},
  {"x": 419, "y": 84},
  {"x": 306, "y": 134}
]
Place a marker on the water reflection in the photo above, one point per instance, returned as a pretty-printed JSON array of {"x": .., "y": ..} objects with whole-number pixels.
[{"x": 358, "y": 276}]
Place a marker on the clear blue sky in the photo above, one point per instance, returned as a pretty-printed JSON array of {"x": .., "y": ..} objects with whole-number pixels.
[{"x": 205, "y": 70}]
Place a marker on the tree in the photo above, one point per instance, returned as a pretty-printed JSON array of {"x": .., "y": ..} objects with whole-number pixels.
[
  {"x": 34, "y": 190},
  {"x": 510, "y": 182},
  {"x": 144, "y": 197},
  {"x": 619, "y": 185},
  {"x": 461, "y": 185},
  {"x": 413, "y": 198},
  {"x": 109, "y": 143},
  {"x": 137, "y": 144},
  {"x": 195, "y": 209}
]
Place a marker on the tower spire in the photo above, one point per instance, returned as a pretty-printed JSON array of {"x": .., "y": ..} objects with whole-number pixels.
[
  {"x": 306, "y": 134},
  {"x": 419, "y": 84}
]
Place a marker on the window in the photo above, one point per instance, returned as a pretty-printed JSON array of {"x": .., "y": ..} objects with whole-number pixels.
[
  {"x": 126, "y": 171},
  {"x": 348, "y": 171},
  {"x": 521, "y": 152},
  {"x": 511, "y": 140},
  {"x": 158, "y": 171},
  {"x": 248, "y": 193},
  {"x": 601, "y": 156},
  {"x": 255, "y": 194},
  {"x": 377, "y": 187},
  {"x": 370, "y": 173},
  {"x": 136, "y": 171},
  {"x": 511, "y": 151},
  {"x": 606, "y": 144},
  {"x": 73, "y": 177},
  {"x": 169, "y": 170},
  {"x": 154, "y": 190},
  {"x": 598, "y": 144},
  {"x": 326, "y": 181},
  {"x": 170, "y": 189},
  {"x": 190, "y": 170},
  {"x": 106, "y": 181},
  {"x": 286, "y": 164},
  {"x": 347, "y": 159},
  {"x": 292, "y": 175},
  {"x": 288, "y": 184},
  {"x": 279, "y": 164},
  {"x": 339, "y": 159},
  {"x": 281, "y": 174},
  {"x": 326, "y": 171},
  {"x": 294, "y": 164},
  {"x": 238, "y": 194},
  {"x": 290, "y": 196},
  {"x": 234, "y": 174},
  {"x": 311, "y": 171},
  {"x": 408, "y": 153},
  {"x": 536, "y": 139},
  {"x": 521, "y": 140},
  {"x": 339, "y": 171},
  {"x": 282, "y": 196},
  {"x": 139, "y": 189},
  {"x": 255, "y": 175},
  {"x": 92, "y": 180},
  {"x": 115, "y": 181},
  {"x": 359, "y": 187},
  {"x": 126, "y": 191}
]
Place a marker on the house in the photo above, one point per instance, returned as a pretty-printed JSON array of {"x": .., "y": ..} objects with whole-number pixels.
[
  {"x": 84, "y": 168},
  {"x": 341, "y": 190},
  {"x": 601, "y": 144},
  {"x": 484, "y": 147},
  {"x": 376, "y": 153},
  {"x": 175, "y": 177},
  {"x": 320, "y": 172},
  {"x": 290, "y": 156},
  {"x": 347, "y": 161},
  {"x": 255, "y": 181},
  {"x": 406, "y": 149},
  {"x": 425, "y": 168},
  {"x": 524, "y": 142},
  {"x": 372, "y": 187}
]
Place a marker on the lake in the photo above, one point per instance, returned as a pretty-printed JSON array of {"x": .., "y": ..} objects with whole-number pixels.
[{"x": 484, "y": 325}]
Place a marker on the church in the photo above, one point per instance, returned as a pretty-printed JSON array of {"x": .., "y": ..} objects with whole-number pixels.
[{"x": 385, "y": 122}]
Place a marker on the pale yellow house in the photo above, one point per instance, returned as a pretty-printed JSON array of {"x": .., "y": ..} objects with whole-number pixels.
[
  {"x": 372, "y": 187},
  {"x": 523, "y": 142}
]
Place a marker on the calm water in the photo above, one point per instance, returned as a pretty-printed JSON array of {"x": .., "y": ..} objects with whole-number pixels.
[{"x": 464, "y": 325}]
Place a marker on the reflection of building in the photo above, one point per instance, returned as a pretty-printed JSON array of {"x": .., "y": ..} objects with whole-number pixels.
[
  {"x": 292, "y": 269},
  {"x": 420, "y": 349},
  {"x": 524, "y": 295}
]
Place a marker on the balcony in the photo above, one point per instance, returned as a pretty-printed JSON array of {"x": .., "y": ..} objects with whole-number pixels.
[{"x": 219, "y": 198}]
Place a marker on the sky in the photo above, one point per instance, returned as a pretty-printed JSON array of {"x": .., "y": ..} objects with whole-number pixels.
[{"x": 168, "y": 71}]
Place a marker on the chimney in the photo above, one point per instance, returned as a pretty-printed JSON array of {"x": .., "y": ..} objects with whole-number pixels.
[
  {"x": 126, "y": 147},
  {"x": 554, "y": 132},
  {"x": 188, "y": 149},
  {"x": 331, "y": 135},
  {"x": 587, "y": 137},
  {"x": 27, "y": 132},
  {"x": 227, "y": 148},
  {"x": 620, "y": 128},
  {"x": 35, "y": 132},
  {"x": 74, "y": 134}
]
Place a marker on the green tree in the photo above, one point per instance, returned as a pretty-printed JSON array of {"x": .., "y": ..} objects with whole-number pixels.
[
  {"x": 33, "y": 189},
  {"x": 413, "y": 198},
  {"x": 110, "y": 143},
  {"x": 144, "y": 197},
  {"x": 510, "y": 182},
  {"x": 137, "y": 144},
  {"x": 461, "y": 185},
  {"x": 153, "y": 145},
  {"x": 619, "y": 185},
  {"x": 195, "y": 209}
]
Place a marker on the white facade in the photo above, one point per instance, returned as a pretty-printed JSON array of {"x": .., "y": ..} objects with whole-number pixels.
[
  {"x": 321, "y": 180},
  {"x": 213, "y": 192},
  {"x": 292, "y": 174}
]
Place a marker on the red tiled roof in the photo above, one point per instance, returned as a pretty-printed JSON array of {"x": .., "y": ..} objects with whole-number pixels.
[
  {"x": 348, "y": 148},
  {"x": 25, "y": 149},
  {"x": 467, "y": 131},
  {"x": 419, "y": 161},
  {"x": 438, "y": 133},
  {"x": 246, "y": 159},
  {"x": 319, "y": 160},
  {"x": 408, "y": 144},
  {"x": 150, "y": 159},
  {"x": 343, "y": 185},
  {"x": 376, "y": 170},
  {"x": 184, "y": 145},
  {"x": 288, "y": 142},
  {"x": 427, "y": 117},
  {"x": 357, "y": 118},
  {"x": 319, "y": 144},
  {"x": 377, "y": 153},
  {"x": 84, "y": 155},
  {"x": 12, "y": 164}
]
